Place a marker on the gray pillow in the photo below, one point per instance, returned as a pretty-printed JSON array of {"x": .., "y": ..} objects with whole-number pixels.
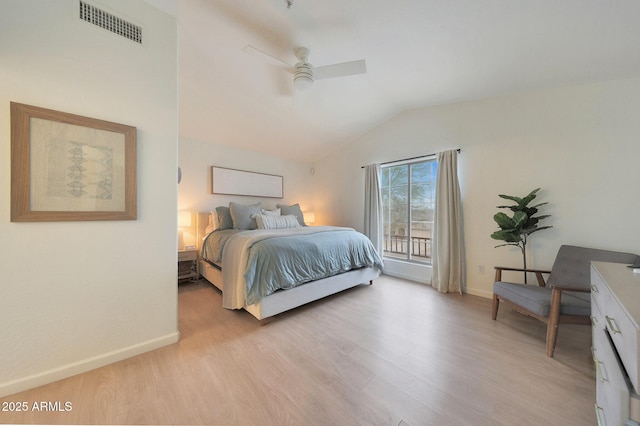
[
  {"x": 224, "y": 218},
  {"x": 241, "y": 215},
  {"x": 294, "y": 210}
]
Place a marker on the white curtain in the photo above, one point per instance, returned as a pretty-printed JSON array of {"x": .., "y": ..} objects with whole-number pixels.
[
  {"x": 373, "y": 206},
  {"x": 448, "y": 246}
]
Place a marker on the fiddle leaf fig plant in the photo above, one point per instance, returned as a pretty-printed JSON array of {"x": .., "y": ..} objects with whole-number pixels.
[{"x": 514, "y": 230}]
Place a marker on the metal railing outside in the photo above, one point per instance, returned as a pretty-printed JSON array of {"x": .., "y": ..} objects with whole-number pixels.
[{"x": 395, "y": 245}]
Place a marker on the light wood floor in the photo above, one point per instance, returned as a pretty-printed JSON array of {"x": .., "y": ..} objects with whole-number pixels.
[{"x": 395, "y": 353}]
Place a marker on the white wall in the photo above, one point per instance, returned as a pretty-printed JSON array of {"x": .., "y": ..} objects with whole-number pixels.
[
  {"x": 579, "y": 144},
  {"x": 77, "y": 295},
  {"x": 197, "y": 157}
]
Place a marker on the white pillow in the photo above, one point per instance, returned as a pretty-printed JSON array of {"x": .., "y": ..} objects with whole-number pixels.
[
  {"x": 265, "y": 221},
  {"x": 213, "y": 222},
  {"x": 275, "y": 212},
  {"x": 294, "y": 210}
]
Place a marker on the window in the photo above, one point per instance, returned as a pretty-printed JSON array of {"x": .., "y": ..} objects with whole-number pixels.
[{"x": 408, "y": 201}]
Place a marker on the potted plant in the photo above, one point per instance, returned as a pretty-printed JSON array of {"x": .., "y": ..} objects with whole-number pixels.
[{"x": 515, "y": 230}]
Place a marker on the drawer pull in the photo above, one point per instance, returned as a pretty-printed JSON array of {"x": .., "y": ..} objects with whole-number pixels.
[
  {"x": 612, "y": 325},
  {"x": 594, "y": 288},
  {"x": 600, "y": 415},
  {"x": 594, "y": 321},
  {"x": 600, "y": 370}
]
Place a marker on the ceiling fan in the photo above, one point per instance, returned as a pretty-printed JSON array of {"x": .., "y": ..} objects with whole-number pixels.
[{"x": 304, "y": 74}]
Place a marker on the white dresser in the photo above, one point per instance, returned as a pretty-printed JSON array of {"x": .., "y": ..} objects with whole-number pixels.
[{"x": 615, "y": 315}]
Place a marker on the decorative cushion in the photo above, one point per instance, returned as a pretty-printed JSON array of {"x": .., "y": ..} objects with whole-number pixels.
[
  {"x": 223, "y": 218},
  {"x": 292, "y": 210},
  {"x": 276, "y": 212},
  {"x": 241, "y": 215},
  {"x": 265, "y": 221},
  {"x": 213, "y": 223}
]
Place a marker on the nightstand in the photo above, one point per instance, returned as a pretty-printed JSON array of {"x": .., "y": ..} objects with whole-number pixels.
[{"x": 188, "y": 264}]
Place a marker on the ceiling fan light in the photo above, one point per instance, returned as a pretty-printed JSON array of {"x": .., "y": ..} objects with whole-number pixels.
[
  {"x": 303, "y": 77},
  {"x": 302, "y": 81}
]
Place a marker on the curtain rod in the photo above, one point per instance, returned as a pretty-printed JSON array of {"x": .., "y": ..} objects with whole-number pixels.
[{"x": 409, "y": 159}]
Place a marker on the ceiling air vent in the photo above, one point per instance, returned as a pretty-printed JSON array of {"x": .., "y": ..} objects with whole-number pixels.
[{"x": 109, "y": 22}]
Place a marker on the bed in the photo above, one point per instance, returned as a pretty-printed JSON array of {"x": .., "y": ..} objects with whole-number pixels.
[{"x": 240, "y": 264}]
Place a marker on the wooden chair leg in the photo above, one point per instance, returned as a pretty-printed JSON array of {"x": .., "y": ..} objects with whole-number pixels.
[
  {"x": 552, "y": 325},
  {"x": 496, "y": 302}
]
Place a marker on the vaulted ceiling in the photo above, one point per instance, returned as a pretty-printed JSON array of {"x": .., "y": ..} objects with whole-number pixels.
[{"x": 418, "y": 53}]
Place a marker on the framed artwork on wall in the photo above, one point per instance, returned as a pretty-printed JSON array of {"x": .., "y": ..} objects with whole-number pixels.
[
  {"x": 66, "y": 167},
  {"x": 239, "y": 182}
]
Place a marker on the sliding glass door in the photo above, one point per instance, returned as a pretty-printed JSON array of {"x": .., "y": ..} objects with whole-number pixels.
[{"x": 408, "y": 199}]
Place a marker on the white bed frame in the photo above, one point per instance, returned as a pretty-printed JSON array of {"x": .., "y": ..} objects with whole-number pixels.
[{"x": 285, "y": 300}]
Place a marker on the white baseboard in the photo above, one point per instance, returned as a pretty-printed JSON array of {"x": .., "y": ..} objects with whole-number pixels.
[
  {"x": 409, "y": 277},
  {"x": 482, "y": 293},
  {"x": 422, "y": 274},
  {"x": 59, "y": 373}
]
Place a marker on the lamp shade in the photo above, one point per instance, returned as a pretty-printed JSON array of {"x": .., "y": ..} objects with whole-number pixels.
[
  {"x": 309, "y": 217},
  {"x": 184, "y": 219}
]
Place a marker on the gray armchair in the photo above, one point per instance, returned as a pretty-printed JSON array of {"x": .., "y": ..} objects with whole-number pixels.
[{"x": 565, "y": 297}]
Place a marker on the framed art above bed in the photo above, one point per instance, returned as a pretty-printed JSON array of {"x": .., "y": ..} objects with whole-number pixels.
[{"x": 239, "y": 182}]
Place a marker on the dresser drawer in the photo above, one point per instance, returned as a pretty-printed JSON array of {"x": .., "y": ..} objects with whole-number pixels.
[
  {"x": 597, "y": 339},
  {"x": 597, "y": 317},
  {"x": 612, "y": 389},
  {"x": 184, "y": 255},
  {"x": 624, "y": 335},
  {"x": 598, "y": 291}
]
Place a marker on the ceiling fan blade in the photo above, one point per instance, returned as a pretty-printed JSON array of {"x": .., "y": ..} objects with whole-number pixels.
[
  {"x": 340, "y": 70},
  {"x": 269, "y": 58}
]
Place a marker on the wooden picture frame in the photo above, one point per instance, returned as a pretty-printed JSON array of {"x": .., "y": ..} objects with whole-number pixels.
[
  {"x": 66, "y": 167},
  {"x": 240, "y": 182}
]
